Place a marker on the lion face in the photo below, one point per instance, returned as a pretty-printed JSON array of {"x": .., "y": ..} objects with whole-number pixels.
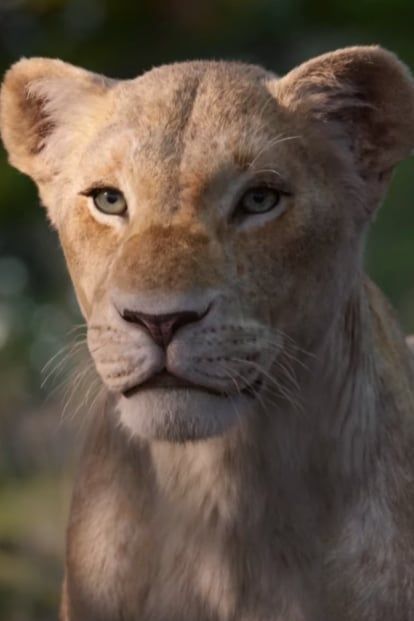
[
  {"x": 217, "y": 241},
  {"x": 210, "y": 214}
]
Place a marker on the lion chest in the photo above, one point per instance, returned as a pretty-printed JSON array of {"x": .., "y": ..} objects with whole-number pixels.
[{"x": 120, "y": 568}]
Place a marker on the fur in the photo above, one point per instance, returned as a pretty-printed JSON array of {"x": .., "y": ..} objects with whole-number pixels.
[{"x": 278, "y": 484}]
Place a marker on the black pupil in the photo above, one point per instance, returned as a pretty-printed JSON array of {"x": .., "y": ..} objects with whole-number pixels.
[
  {"x": 111, "y": 197},
  {"x": 259, "y": 197}
]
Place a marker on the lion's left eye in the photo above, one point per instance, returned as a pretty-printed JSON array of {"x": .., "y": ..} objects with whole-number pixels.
[{"x": 259, "y": 200}]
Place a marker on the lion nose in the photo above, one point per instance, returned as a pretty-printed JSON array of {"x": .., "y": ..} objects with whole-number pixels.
[{"x": 163, "y": 327}]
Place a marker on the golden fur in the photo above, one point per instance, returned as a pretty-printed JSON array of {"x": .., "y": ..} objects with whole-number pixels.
[{"x": 278, "y": 484}]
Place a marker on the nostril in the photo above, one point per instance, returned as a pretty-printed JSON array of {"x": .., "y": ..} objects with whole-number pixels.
[{"x": 163, "y": 327}]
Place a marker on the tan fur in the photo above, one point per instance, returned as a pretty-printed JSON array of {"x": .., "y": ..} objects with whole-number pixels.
[{"x": 210, "y": 504}]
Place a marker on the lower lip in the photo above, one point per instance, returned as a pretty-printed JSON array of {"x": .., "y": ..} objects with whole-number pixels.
[
  {"x": 166, "y": 381},
  {"x": 249, "y": 392}
]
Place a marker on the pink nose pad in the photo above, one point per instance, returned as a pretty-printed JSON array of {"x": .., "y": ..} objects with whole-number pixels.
[{"x": 163, "y": 327}]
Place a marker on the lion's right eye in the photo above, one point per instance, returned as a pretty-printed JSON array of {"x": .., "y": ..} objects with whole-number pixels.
[
  {"x": 109, "y": 201},
  {"x": 260, "y": 200}
]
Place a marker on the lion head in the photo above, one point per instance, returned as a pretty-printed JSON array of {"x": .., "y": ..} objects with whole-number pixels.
[{"x": 212, "y": 217}]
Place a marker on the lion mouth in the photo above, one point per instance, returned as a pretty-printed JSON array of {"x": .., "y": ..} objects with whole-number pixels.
[{"x": 165, "y": 380}]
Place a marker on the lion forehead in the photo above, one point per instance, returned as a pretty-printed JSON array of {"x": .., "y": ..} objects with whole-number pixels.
[
  {"x": 177, "y": 128},
  {"x": 172, "y": 106}
]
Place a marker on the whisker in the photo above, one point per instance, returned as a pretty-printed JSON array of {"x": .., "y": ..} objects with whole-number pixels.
[
  {"x": 77, "y": 383},
  {"x": 237, "y": 412},
  {"x": 100, "y": 393},
  {"x": 281, "y": 390},
  {"x": 256, "y": 392},
  {"x": 93, "y": 386},
  {"x": 66, "y": 357},
  {"x": 272, "y": 143},
  {"x": 77, "y": 328},
  {"x": 60, "y": 352},
  {"x": 289, "y": 373}
]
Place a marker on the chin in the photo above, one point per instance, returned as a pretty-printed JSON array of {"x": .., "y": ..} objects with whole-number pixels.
[{"x": 180, "y": 415}]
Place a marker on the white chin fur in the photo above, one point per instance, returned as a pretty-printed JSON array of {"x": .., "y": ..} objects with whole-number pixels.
[{"x": 178, "y": 415}]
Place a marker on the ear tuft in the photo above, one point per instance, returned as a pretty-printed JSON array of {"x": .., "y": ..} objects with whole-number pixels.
[
  {"x": 35, "y": 96},
  {"x": 364, "y": 94}
]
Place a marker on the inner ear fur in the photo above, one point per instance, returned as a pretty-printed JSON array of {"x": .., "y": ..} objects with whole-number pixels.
[
  {"x": 38, "y": 97},
  {"x": 362, "y": 95}
]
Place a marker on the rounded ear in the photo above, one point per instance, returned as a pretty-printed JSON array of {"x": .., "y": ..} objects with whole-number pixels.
[
  {"x": 41, "y": 98},
  {"x": 364, "y": 97}
]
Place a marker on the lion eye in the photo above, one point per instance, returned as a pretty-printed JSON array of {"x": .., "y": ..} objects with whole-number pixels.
[
  {"x": 110, "y": 201},
  {"x": 259, "y": 200}
]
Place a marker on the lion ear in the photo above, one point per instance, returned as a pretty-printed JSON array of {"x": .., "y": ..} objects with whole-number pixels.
[
  {"x": 41, "y": 101},
  {"x": 363, "y": 96}
]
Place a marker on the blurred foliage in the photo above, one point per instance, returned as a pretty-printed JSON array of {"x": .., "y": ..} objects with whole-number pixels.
[{"x": 37, "y": 309}]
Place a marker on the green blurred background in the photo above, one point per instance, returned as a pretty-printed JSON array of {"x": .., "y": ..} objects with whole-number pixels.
[{"x": 37, "y": 308}]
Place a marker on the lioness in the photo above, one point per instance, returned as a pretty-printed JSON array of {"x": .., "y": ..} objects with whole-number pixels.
[{"x": 254, "y": 460}]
